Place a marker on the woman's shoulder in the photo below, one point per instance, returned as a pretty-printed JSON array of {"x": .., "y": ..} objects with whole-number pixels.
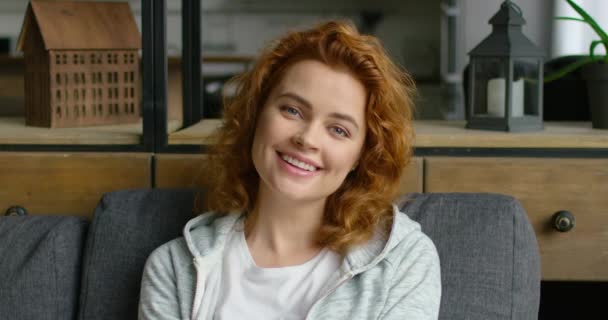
[
  {"x": 201, "y": 234},
  {"x": 170, "y": 253},
  {"x": 410, "y": 241},
  {"x": 178, "y": 247}
]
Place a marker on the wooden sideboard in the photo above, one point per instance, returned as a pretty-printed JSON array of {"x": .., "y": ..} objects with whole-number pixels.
[
  {"x": 564, "y": 167},
  {"x": 67, "y": 183},
  {"x": 544, "y": 186}
]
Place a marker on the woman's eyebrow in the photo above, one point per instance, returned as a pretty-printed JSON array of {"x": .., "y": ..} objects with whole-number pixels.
[
  {"x": 345, "y": 117},
  {"x": 307, "y": 104},
  {"x": 297, "y": 98}
]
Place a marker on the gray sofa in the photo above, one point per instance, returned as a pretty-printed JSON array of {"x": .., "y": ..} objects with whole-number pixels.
[{"x": 60, "y": 267}]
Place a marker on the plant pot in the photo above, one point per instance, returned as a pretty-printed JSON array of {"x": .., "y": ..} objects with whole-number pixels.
[
  {"x": 596, "y": 75},
  {"x": 566, "y": 98}
]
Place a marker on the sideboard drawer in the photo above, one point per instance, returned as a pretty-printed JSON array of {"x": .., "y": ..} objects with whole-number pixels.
[
  {"x": 412, "y": 180},
  {"x": 544, "y": 186},
  {"x": 179, "y": 170},
  {"x": 67, "y": 183}
]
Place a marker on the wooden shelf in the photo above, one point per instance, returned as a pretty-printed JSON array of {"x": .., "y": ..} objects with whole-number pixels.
[
  {"x": 452, "y": 134},
  {"x": 555, "y": 135},
  {"x": 199, "y": 133},
  {"x": 14, "y": 131}
]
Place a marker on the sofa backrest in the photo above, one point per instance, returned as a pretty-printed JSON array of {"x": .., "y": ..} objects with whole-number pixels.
[
  {"x": 127, "y": 226},
  {"x": 40, "y": 259}
]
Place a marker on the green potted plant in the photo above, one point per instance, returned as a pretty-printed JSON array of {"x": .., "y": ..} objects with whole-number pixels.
[{"x": 594, "y": 69}]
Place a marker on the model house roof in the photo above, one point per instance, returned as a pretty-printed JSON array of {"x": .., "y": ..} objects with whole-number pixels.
[{"x": 73, "y": 25}]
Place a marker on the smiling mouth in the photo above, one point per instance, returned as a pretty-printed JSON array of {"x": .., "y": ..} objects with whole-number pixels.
[{"x": 297, "y": 163}]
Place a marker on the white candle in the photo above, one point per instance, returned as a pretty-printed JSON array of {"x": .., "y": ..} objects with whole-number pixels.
[{"x": 496, "y": 97}]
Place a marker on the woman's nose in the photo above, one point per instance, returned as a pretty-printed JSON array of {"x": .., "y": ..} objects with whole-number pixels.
[{"x": 305, "y": 138}]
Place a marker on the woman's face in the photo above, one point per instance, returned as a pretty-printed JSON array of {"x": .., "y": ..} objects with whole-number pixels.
[{"x": 310, "y": 132}]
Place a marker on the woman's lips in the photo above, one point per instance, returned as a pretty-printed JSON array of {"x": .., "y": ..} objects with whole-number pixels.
[
  {"x": 290, "y": 168},
  {"x": 300, "y": 159}
]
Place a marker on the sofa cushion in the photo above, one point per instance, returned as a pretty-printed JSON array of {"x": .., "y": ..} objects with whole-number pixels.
[
  {"x": 490, "y": 264},
  {"x": 40, "y": 266},
  {"x": 127, "y": 226}
]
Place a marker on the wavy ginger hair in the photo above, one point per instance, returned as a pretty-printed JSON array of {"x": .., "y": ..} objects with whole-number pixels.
[{"x": 364, "y": 201}]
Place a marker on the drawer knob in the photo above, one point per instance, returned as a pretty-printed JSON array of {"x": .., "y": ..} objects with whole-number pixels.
[
  {"x": 563, "y": 221},
  {"x": 16, "y": 211}
]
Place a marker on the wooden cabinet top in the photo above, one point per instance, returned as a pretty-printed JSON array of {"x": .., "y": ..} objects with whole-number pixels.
[
  {"x": 429, "y": 134},
  {"x": 452, "y": 134},
  {"x": 14, "y": 131}
]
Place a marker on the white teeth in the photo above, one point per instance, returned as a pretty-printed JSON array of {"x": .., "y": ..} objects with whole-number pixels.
[{"x": 298, "y": 163}]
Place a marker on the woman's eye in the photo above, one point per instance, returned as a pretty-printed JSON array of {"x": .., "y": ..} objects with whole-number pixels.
[
  {"x": 290, "y": 110},
  {"x": 339, "y": 131}
]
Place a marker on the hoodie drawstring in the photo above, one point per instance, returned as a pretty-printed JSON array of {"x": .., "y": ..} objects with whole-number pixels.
[{"x": 199, "y": 289}]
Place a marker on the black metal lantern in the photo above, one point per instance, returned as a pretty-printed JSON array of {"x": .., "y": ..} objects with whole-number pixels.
[{"x": 506, "y": 77}]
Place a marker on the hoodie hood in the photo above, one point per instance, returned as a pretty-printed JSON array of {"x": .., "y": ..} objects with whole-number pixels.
[
  {"x": 206, "y": 237},
  {"x": 208, "y": 233},
  {"x": 367, "y": 255}
]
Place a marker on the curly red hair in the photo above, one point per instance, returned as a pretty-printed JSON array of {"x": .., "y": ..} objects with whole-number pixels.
[{"x": 364, "y": 200}]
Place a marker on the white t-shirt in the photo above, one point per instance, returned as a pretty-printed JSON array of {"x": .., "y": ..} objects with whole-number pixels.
[{"x": 250, "y": 292}]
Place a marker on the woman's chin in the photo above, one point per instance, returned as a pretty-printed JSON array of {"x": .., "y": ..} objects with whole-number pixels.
[{"x": 297, "y": 193}]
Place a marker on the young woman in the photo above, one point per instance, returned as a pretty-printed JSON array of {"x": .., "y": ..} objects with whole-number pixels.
[{"x": 301, "y": 184}]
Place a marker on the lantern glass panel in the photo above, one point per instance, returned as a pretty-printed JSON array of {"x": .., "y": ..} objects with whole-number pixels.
[
  {"x": 526, "y": 87},
  {"x": 488, "y": 86}
]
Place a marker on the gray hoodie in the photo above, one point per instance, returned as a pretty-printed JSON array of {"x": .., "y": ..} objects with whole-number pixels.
[{"x": 398, "y": 278}]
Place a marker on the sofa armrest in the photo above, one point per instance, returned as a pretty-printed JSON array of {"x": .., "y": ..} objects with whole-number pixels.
[{"x": 490, "y": 262}]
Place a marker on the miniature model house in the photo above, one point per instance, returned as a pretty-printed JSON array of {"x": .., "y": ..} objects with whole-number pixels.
[{"x": 82, "y": 64}]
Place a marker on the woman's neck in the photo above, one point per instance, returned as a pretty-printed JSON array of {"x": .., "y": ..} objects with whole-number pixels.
[{"x": 284, "y": 232}]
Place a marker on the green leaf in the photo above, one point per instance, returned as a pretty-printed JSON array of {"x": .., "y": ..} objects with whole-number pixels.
[
  {"x": 571, "y": 19},
  {"x": 594, "y": 44},
  {"x": 589, "y": 20},
  {"x": 568, "y": 68}
]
